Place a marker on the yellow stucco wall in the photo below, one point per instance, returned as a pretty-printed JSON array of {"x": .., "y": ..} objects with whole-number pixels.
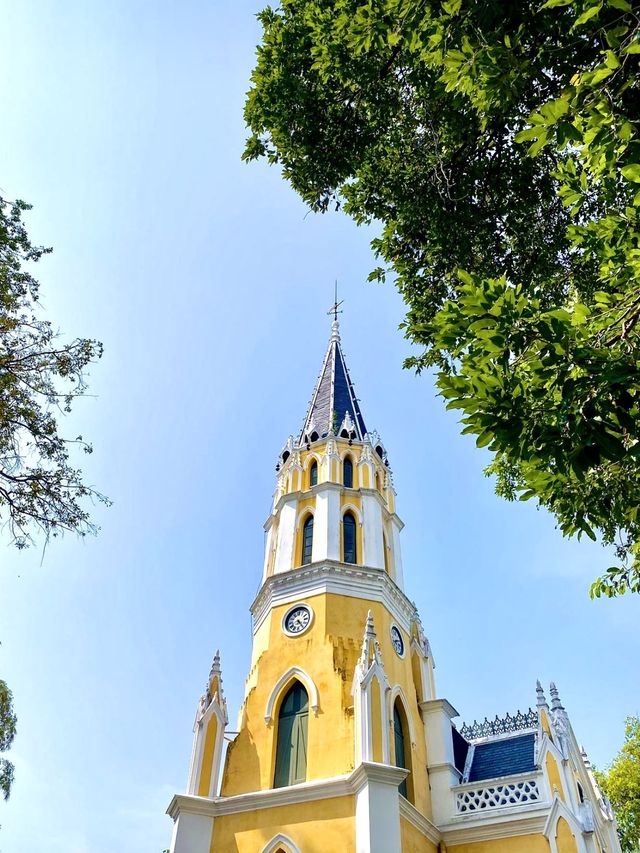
[
  {"x": 318, "y": 827},
  {"x": 517, "y": 844},
  {"x": 328, "y": 653},
  {"x": 554, "y": 775},
  {"x": 565, "y": 840},
  {"x": 544, "y": 721},
  {"x": 413, "y": 841},
  {"x": 207, "y": 756}
]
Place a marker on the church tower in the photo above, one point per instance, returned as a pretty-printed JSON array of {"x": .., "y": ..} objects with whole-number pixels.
[{"x": 342, "y": 744}]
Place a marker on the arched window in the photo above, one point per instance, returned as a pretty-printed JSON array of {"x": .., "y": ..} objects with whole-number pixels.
[
  {"x": 402, "y": 750},
  {"x": 291, "y": 749},
  {"x": 307, "y": 540},
  {"x": 313, "y": 474},
  {"x": 347, "y": 473},
  {"x": 349, "y": 538}
]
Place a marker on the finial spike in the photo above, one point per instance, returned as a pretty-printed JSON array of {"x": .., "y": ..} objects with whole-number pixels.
[
  {"x": 215, "y": 666},
  {"x": 335, "y": 308},
  {"x": 556, "y": 704},
  {"x": 541, "y": 698}
]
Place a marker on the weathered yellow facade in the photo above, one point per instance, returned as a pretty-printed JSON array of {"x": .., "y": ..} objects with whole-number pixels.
[{"x": 343, "y": 743}]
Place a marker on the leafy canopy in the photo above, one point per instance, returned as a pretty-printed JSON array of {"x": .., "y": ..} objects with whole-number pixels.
[
  {"x": 8, "y": 723},
  {"x": 496, "y": 143},
  {"x": 621, "y": 784},
  {"x": 39, "y": 379}
]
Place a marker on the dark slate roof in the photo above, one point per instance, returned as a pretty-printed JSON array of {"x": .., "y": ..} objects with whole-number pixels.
[
  {"x": 460, "y": 749},
  {"x": 503, "y": 757},
  {"x": 333, "y": 397}
]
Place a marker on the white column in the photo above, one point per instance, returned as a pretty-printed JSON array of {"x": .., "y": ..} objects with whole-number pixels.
[
  {"x": 372, "y": 540},
  {"x": 268, "y": 545},
  {"x": 192, "y": 831},
  {"x": 326, "y": 523},
  {"x": 437, "y": 715},
  {"x": 378, "y": 808},
  {"x": 396, "y": 552},
  {"x": 333, "y": 523},
  {"x": 286, "y": 537}
]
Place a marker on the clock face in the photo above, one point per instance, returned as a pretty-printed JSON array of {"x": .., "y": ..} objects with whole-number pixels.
[
  {"x": 297, "y": 619},
  {"x": 396, "y": 640}
]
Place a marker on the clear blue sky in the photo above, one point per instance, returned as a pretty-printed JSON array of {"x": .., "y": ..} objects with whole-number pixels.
[{"x": 208, "y": 284}]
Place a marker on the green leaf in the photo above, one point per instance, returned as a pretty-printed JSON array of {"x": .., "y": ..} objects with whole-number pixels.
[
  {"x": 586, "y": 16},
  {"x": 485, "y": 437},
  {"x": 631, "y": 172}
]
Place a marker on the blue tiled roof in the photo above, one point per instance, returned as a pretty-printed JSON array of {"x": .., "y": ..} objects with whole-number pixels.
[
  {"x": 333, "y": 396},
  {"x": 503, "y": 757}
]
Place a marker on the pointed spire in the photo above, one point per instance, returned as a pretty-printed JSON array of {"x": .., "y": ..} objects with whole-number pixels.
[
  {"x": 370, "y": 645},
  {"x": 334, "y": 408},
  {"x": 215, "y": 666},
  {"x": 541, "y": 698},
  {"x": 556, "y": 704}
]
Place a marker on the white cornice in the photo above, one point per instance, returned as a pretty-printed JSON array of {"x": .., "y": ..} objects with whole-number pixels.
[
  {"x": 329, "y": 576},
  {"x": 430, "y": 706},
  {"x": 421, "y": 823},
  {"x": 498, "y": 823},
  {"x": 307, "y": 792}
]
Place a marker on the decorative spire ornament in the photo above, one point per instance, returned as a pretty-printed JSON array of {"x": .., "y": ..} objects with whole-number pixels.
[
  {"x": 556, "y": 704},
  {"x": 541, "y": 701}
]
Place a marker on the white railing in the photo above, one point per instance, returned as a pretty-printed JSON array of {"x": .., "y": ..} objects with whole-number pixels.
[{"x": 496, "y": 794}]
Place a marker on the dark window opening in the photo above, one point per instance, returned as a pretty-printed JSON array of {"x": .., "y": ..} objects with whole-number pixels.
[
  {"x": 399, "y": 743},
  {"x": 313, "y": 474},
  {"x": 291, "y": 749},
  {"x": 347, "y": 473},
  {"x": 349, "y": 538},
  {"x": 307, "y": 540}
]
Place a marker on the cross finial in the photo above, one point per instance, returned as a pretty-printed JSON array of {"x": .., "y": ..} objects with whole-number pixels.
[{"x": 335, "y": 308}]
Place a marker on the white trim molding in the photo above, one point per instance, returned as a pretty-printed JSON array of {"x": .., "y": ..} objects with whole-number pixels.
[
  {"x": 411, "y": 814},
  {"x": 331, "y": 576},
  {"x": 305, "y": 792},
  {"x": 560, "y": 809},
  {"x": 507, "y": 823},
  {"x": 294, "y": 673},
  {"x": 279, "y": 840}
]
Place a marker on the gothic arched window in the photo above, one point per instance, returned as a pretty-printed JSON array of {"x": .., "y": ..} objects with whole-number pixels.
[
  {"x": 291, "y": 749},
  {"x": 349, "y": 538},
  {"x": 347, "y": 473},
  {"x": 402, "y": 750},
  {"x": 307, "y": 540},
  {"x": 313, "y": 474}
]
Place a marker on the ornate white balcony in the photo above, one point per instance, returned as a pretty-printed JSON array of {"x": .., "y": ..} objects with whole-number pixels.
[{"x": 506, "y": 792}]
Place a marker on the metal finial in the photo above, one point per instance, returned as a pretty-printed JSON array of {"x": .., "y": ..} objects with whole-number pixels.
[{"x": 335, "y": 308}]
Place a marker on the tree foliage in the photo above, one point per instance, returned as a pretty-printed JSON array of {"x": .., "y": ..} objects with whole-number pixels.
[
  {"x": 621, "y": 784},
  {"x": 497, "y": 145},
  {"x": 39, "y": 379},
  {"x": 8, "y": 723}
]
